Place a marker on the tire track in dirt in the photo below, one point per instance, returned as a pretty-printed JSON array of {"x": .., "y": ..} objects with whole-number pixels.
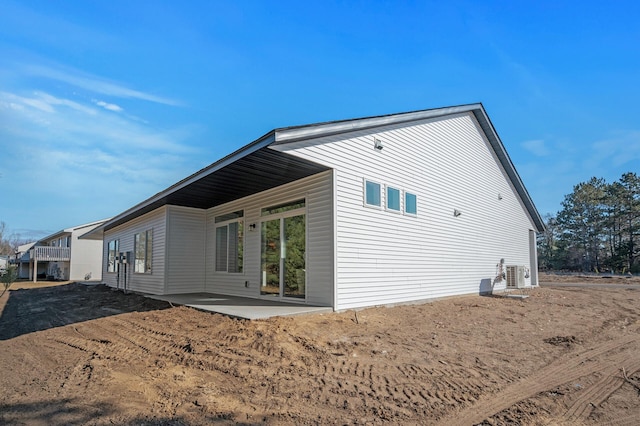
[
  {"x": 164, "y": 347},
  {"x": 417, "y": 391},
  {"x": 372, "y": 383},
  {"x": 600, "y": 391},
  {"x": 565, "y": 369},
  {"x": 631, "y": 420}
]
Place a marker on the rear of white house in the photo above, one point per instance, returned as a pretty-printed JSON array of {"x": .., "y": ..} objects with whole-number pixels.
[{"x": 347, "y": 214}]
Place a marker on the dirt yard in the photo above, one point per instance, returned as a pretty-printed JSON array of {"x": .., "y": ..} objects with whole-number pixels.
[{"x": 74, "y": 355}]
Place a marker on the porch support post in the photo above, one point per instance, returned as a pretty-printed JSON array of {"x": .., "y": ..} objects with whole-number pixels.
[{"x": 35, "y": 270}]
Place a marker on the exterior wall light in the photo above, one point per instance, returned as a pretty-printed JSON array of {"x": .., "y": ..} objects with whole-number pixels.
[
  {"x": 377, "y": 144},
  {"x": 456, "y": 213}
]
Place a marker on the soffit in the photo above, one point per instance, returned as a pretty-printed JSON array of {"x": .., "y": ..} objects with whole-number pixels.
[{"x": 253, "y": 173}]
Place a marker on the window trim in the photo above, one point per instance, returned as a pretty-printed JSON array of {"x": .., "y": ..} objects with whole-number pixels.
[
  {"x": 387, "y": 198},
  {"x": 364, "y": 190},
  {"x": 297, "y": 204}
]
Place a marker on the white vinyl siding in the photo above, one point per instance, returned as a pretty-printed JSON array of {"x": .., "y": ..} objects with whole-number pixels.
[
  {"x": 186, "y": 233},
  {"x": 144, "y": 283},
  {"x": 316, "y": 190},
  {"x": 86, "y": 255},
  {"x": 448, "y": 164}
]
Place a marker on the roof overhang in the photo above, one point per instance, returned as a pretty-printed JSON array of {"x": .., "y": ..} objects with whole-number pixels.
[
  {"x": 248, "y": 171},
  {"x": 255, "y": 167},
  {"x": 69, "y": 231}
]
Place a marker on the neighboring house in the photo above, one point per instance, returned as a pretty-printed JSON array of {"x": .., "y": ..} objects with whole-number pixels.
[
  {"x": 62, "y": 256},
  {"x": 354, "y": 213},
  {"x": 22, "y": 260}
]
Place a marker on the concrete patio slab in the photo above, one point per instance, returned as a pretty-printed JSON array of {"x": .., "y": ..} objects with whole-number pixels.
[{"x": 241, "y": 307}]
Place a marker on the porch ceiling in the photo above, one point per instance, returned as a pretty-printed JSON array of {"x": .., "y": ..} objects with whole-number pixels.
[{"x": 255, "y": 172}]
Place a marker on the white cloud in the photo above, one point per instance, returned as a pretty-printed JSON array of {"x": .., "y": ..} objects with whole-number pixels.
[
  {"x": 42, "y": 102},
  {"x": 46, "y": 118},
  {"x": 618, "y": 150},
  {"x": 16, "y": 102},
  {"x": 108, "y": 106},
  {"x": 82, "y": 161},
  {"x": 69, "y": 143},
  {"x": 94, "y": 84},
  {"x": 537, "y": 147}
]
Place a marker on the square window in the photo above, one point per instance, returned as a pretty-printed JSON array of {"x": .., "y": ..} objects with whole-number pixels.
[
  {"x": 410, "y": 203},
  {"x": 393, "y": 199},
  {"x": 372, "y": 193}
]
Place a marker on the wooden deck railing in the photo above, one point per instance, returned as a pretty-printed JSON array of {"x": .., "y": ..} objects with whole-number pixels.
[{"x": 43, "y": 253}]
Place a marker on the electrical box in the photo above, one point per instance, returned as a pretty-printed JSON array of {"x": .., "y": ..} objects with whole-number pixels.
[{"x": 125, "y": 257}]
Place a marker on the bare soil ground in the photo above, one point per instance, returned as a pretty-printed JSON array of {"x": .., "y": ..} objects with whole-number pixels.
[{"x": 73, "y": 354}]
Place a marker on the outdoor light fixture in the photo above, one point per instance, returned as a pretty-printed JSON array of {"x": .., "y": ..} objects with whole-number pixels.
[
  {"x": 252, "y": 227},
  {"x": 456, "y": 212},
  {"x": 377, "y": 144},
  {"x": 499, "y": 196}
]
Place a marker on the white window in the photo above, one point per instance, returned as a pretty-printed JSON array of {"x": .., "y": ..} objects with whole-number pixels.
[
  {"x": 410, "y": 203},
  {"x": 143, "y": 248},
  {"x": 229, "y": 242},
  {"x": 393, "y": 199},
  {"x": 112, "y": 256},
  {"x": 372, "y": 193}
]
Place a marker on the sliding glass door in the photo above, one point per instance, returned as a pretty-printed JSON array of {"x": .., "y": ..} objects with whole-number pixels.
[{"x": 283, "y": 254}]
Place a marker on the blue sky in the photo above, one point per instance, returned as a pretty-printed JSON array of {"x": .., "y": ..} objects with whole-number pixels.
[{"x": 105, "y": 103}]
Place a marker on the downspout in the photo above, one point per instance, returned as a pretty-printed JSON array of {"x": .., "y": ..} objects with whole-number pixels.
[{"x": 334, "y": 223}]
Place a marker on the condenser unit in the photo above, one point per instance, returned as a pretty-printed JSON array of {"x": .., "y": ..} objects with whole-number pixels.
[{"x": 515, "y": 276}]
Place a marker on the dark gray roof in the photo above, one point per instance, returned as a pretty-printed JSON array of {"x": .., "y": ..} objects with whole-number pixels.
[{"x": 255, "y": 168}]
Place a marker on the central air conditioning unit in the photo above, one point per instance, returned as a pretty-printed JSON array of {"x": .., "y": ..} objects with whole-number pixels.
[{"x": 515, "y": 276}]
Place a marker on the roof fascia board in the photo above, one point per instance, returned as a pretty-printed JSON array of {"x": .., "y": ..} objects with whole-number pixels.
[
  {"x": 292, "y": 134},
  {"x": 56, "y": 235},
  {"x": 503, "y": 156},
  {"x": 87, "y": 225}
]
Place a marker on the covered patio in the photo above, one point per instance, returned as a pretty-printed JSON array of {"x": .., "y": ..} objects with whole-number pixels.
[{"x": 241, "y": 307}]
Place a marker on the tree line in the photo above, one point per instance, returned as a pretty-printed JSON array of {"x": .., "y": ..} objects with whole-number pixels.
[{"x": 596, "y": 230}]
